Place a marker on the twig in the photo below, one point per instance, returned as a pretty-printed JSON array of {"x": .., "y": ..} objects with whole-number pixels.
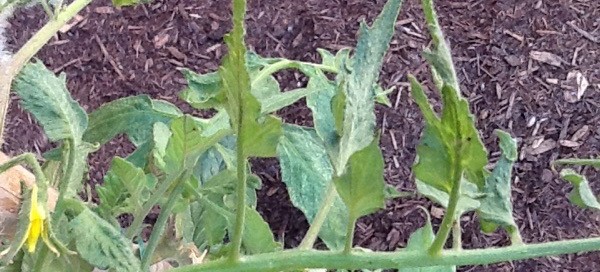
[
  {"x": 113, "y": 63},
  {"x": 584, "y": 33}
]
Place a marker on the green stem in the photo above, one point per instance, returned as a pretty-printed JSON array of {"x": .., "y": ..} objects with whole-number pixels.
[
  {"x": 288, "y": 64},
  {"x": 350, "y": 235},
  {"x": 240, "y": 213},
  {"x": 315, "y": 226},
  {"x": 457, "y": 236},
  {"x": 65, "y": 181},
  {"x": 140, "y": 215},
  {"x": 163, "y": 218},
  {"x": 447, "y": 222},
  {"x": 28, "y": 50},
  {"x": 292, "y": 260}
]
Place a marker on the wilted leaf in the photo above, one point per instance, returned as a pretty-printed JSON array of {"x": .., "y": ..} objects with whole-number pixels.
[
  {"x": 101, "y": 244},
  {"x": 307, "y": 173},
  {"x": 496, "y": 207},
  {"x": 582, "y": 194}
]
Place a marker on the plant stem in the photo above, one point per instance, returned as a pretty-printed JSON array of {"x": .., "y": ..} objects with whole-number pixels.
[
  {"x": 350, "y": 235},
  {"x": 237, "y": 56},
  {"x": 456, "y": 236},
  {"x": 293, "y": 260},
  {"x": 240, "y": 212},
  {"x": 315, "y": 226},
  {"x": 161, "y": 222},
  {"x": 63, "y": 187},
  {"x": 28, "y": 50},
  {"x": 140, "y": 215},
  {"x": 447, "y": 222}
]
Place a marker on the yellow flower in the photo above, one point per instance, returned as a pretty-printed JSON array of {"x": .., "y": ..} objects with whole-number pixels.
[{"x": 37, "y": 224}]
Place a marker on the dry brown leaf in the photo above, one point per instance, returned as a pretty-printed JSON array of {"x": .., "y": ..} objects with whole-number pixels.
[{"x": 10, "y": 195}]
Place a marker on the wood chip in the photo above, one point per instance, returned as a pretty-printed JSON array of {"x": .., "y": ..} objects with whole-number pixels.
[
  {"x": 546, "y": 57},
  {"x": 176, "y": 53},
  {"x": 581, "y": 133},
  {"x": 104, "y": 10},
  {"x": 543, "y": 147},
  {"x": 576, "y": 78},
  {"x": 569, "y": 143},
  {"x": 584, "y": 33},
  {"x": 437, "y": 212},
  {"x": 160, "y": 40}
]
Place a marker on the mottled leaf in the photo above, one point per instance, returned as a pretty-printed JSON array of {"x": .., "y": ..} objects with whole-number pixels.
[
  {"x": 496, "y": 208},
  {"x": 359, "y": 113},
  {"x": 307, "y": 173}
]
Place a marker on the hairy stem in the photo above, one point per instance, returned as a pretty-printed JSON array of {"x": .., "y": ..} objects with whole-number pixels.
[
  {"x": 161, "y": 222},
  {"x": 293, "y": 260},
  {"x": 315, "y": 226},
  {"x": 28, "y": 50},
  {"x": 240, "y": 213}
]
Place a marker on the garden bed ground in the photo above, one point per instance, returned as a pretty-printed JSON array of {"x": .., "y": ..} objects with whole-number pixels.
[{"x": 114, "y": 53}]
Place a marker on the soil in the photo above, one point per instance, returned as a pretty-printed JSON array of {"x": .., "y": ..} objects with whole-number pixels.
[{"x": 114, "y": 53}]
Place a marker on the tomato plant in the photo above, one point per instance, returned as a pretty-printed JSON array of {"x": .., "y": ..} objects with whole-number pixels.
[{"x": 196, "y": 169}]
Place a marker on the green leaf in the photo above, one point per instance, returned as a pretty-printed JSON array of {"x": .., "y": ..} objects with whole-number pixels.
[
  {"x": 186, "y": 144},
  {"x": 307, "y": 172},
  {"x": 582, "y": 194},
  {"x": 203, "y": 91},
  {"x": 496, "y": 207},
  {"x": 445, "y": 139},
  {"x": 47, "y": 98},
  {"x": 133, "y": 116},
  {"x": 359, "y": 116},
  {"x": 255, "y": 137},
  {"x": 362, "y": 186},
  {"x": 210, "y": 225},
  {"x": 101, "y": 244},
  {"x": 125, "y": 189},
  {"x": 421, "y": 240},
  {"x": 258, "y": 237}
]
